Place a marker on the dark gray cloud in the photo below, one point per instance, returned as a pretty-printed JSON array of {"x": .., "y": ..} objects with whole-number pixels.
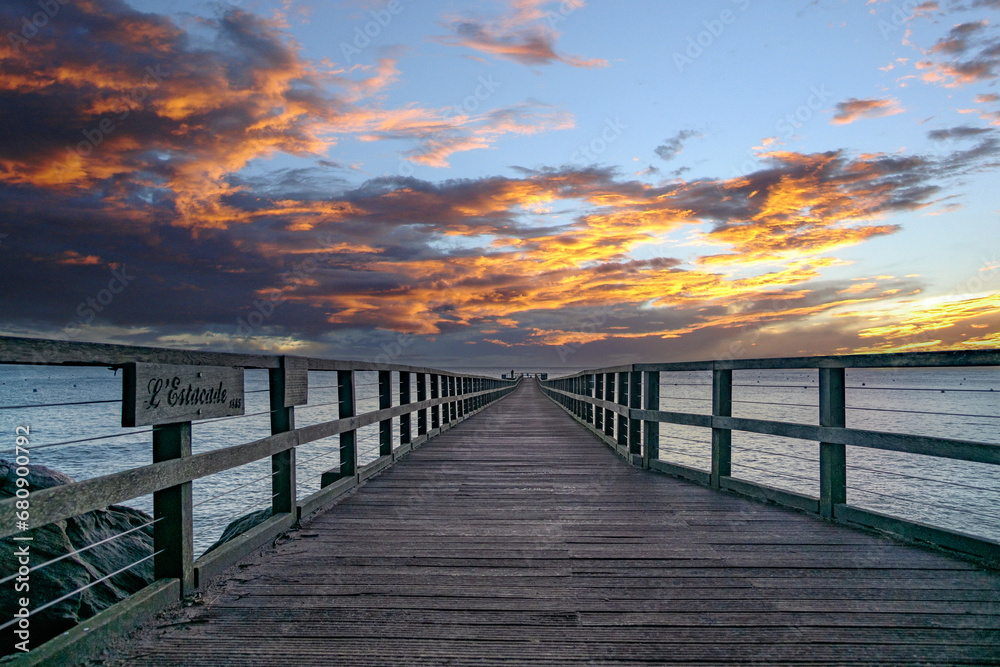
[
  {"x": 672, "y": 146},
  {"x": 959, "y": 132}
]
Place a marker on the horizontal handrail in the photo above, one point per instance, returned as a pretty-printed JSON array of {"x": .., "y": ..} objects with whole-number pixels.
[
  {"x": 68, "y": 500},
  {"x": 949, "y": 448},
  {"x": 955, "y": 358},
  {"x": 621, "y": 405},
  {"x": 44, "y": 352},
  {"x": 443, "y": 399}
]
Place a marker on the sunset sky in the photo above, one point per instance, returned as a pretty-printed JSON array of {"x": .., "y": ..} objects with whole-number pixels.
[{"x": 512, "y": 182}]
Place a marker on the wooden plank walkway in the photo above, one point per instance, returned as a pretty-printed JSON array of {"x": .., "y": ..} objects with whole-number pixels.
[{"x": 518, "y": 538}]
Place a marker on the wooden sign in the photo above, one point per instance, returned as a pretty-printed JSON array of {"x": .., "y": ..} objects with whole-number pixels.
[{"x": 165, "y": 393}]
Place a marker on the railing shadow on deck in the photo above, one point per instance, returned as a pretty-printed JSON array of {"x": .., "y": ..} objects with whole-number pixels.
[
  {"x": 621, "y": 405},
  {"x": 442, "y": 399}
]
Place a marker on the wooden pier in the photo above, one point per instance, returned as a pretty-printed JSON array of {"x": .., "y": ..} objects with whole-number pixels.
[{"x": 518, "y": 537}]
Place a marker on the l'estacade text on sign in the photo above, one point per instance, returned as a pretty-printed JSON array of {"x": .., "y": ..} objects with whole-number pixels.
[{"x": 164, "y": 393}]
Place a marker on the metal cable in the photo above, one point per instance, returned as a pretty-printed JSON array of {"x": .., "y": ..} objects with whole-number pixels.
[
  {"x": 680, "y": 437},
  {"x": 56, "y": 405},
  {"x": 774, "y": 453},
  {"x": 977, "y": 391},
  {"x": 222, "y": 419},
  {"x": 925, "y": 479},
  {"x": 256, "y": 505},
  {"x": 925, "y": 412},
  {"x": 83, "y": 588},
  {"x": 320, "y": 405},
  {"x": 338, "y": 449},
  {"x": 99, "y": 437},
  {"x": 791, "y": 405},
  {"x": 777, "y": 386},
  {"x": 82, "y": 549},
  {"x": 685, "y": 453},
  {"x": 774, "y": 472},
  {"x": 235, "y": 488}
]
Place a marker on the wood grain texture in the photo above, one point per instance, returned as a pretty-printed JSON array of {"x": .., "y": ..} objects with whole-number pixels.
[
  {"x": 169, "y": 393},
  {"x": 518, "y": 538}
]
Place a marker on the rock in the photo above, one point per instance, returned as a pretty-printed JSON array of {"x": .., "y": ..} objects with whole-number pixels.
[
  {"x": 240, "y": 526},
  {"x": 73, "y": 572}
]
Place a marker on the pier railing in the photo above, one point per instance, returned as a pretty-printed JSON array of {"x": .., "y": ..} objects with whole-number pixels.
[
  {"x": 414, "y": 405},
  {"x": 622, "y": 406}
]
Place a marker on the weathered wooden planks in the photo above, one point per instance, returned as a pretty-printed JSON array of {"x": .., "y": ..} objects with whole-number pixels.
[{"x": 518, "y": 538}]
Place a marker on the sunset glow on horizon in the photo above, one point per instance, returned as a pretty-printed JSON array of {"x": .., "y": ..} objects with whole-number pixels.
[{"x": 459, "y": 184}]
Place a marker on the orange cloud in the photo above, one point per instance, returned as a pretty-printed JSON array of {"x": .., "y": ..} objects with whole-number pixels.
[
  {"x": 969, "y": 54},
  {"x": 820, "y": 204},
  {"x": 931, "y": 324},
  {"x": 524, "y": 34},
  {"x": 71, "y": 257},
  {"x": 175, "y": 123},
  {"x": 854, "y": 109}
]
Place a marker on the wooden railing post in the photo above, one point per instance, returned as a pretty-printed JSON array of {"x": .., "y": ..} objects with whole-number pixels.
[
  {"x": 462, "y": 399},
  {"x": 832, "y": 457},
  {"x": 453, "y": 392},
  {"x": 609, "y": 395},
  {"x": 421, "y": 396},
  {"x": 722, "y": 438},
  {"x": 288, "y": 386},
  {"x": 348, "y": 439},
  {"x": 589, "y": 391},
  {"x": 435, "y": 409},
  {"x": 405, "y": 434},
  {"x": 623, "y": 387},
  {"x": 446, "y": 406},
  {"x": 449, "y": 391},
  {"x": 599, "y": 393},
  {"x": 385, "y": 402},
  {"x": 635, "y": 425},
  {"x": 651, "y": 451},
  {"x": 575, "y": 403},
  {"x": 173, "y": 534}
]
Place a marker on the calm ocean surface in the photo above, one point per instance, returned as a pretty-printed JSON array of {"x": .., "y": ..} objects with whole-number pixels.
[{"x": 953, "y": 494}]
